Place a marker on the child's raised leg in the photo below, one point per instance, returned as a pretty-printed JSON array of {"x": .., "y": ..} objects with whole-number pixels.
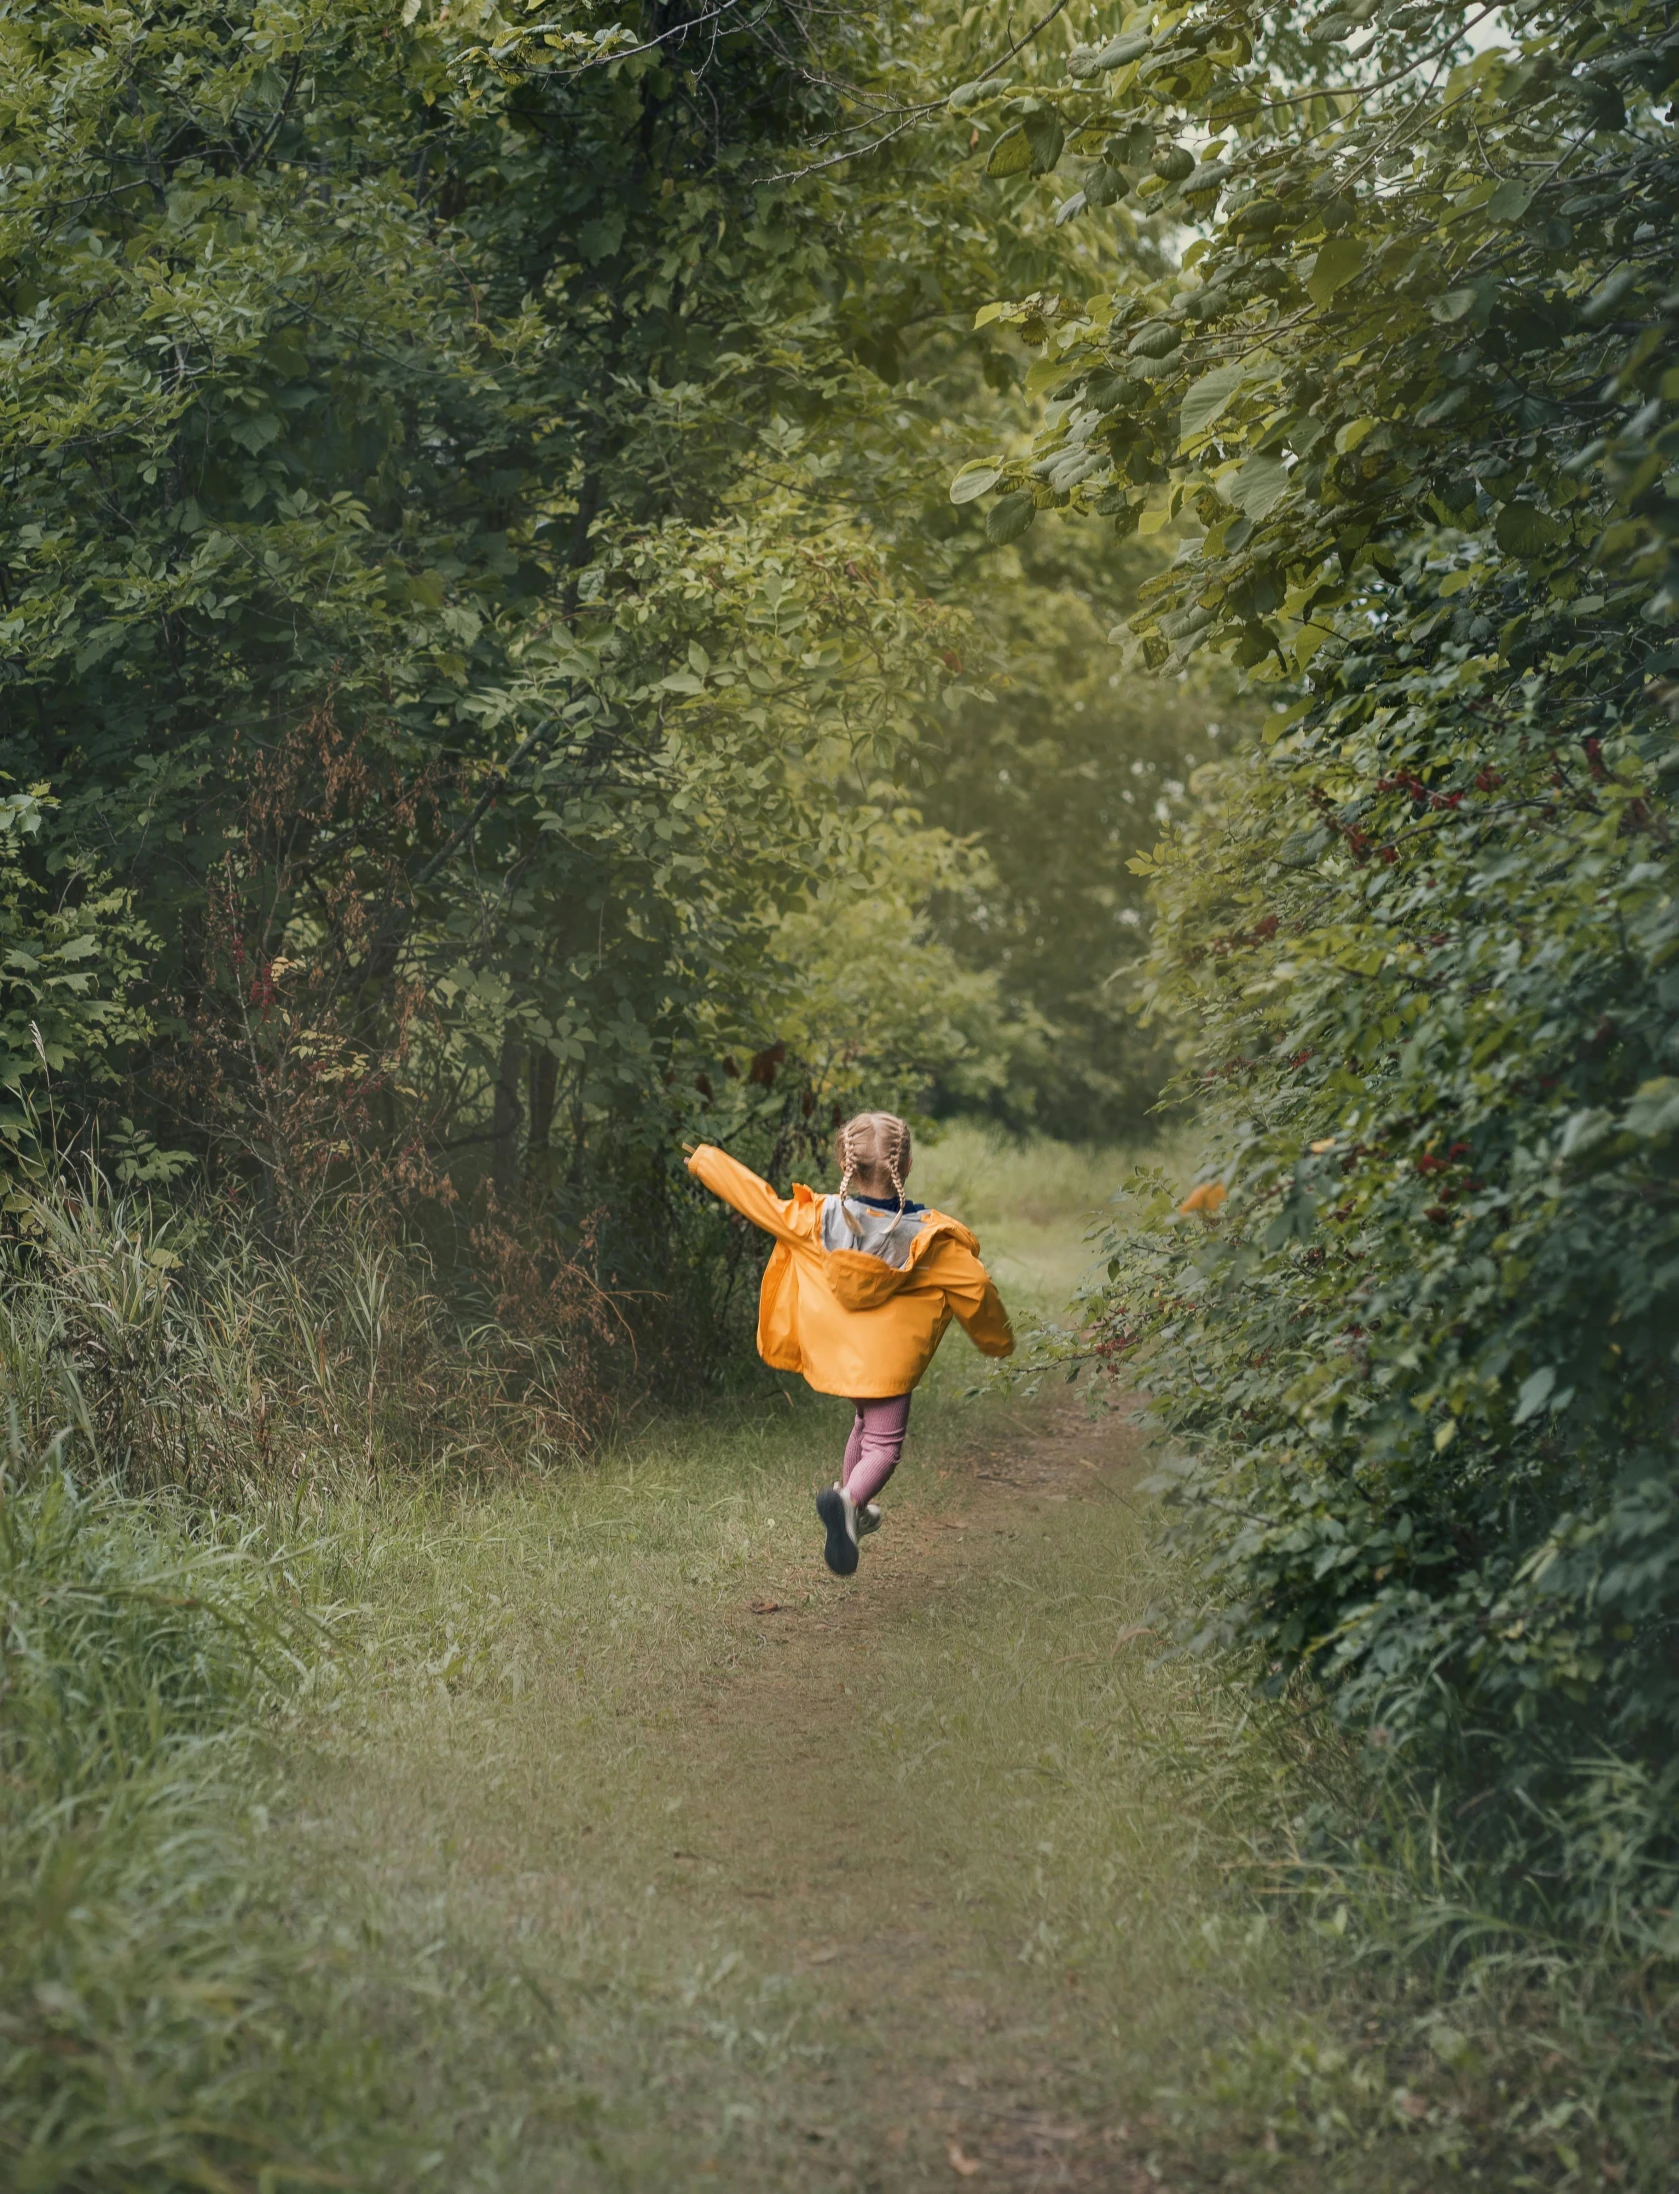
[
  {"x": 871, "y": 1455},
  {"x": 876, "y": 1442}
]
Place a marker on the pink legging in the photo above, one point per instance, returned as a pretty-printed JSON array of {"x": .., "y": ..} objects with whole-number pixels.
[{"x": 876, "y": 1442}]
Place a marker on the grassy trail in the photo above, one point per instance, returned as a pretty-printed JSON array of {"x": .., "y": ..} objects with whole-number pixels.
[
  {"x": 687, "y": 1863},
  {"x": 655, "y": 1858}
]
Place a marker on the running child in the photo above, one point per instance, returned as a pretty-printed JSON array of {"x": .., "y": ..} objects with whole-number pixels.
[{"x": 857, "y": 1293}]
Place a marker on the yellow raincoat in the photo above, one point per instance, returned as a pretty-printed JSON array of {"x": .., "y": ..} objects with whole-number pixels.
[{"x": 851, "y": 1323}]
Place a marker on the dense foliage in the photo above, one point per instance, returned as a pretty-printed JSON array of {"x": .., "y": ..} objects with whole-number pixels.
[
  {"x": 1409, "y": 401},
  {"x": 327, "y": 367},
  {"x": 484, "y": 650}
]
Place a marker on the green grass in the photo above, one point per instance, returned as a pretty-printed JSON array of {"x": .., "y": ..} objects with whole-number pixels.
[
  {"x": 155, "y": 2030},
  {"x": 653, "y": 1891},
  {"x": 1032, "y": 1205},
  {"x": 643, "y": 1888},
  {"x": 566, "y": 1688}
]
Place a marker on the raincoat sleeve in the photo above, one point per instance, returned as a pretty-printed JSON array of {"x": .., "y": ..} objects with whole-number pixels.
[
  {"x": 738, "y": 1185},
  {"x": 972, "y": 1294}
]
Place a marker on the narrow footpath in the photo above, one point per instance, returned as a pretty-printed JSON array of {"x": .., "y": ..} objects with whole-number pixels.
[
  {"x": 656, "y": 1858},
  {"x": 841, "y": 1816}
]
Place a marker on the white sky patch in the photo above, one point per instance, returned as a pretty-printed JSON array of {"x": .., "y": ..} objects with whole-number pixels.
[{"x": 1491, "y": 31}]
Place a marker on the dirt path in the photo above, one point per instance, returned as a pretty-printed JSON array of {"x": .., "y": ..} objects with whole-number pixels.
[
  {"x": 939, "y": 2054},
  {"x": 682, "y": 1865}
]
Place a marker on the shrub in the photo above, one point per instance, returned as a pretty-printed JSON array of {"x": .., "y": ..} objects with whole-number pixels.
[{"x": 1408, "y": 401}]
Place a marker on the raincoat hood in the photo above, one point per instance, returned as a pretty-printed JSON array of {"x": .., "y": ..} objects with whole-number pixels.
[{"x": 862, "y": 1280}]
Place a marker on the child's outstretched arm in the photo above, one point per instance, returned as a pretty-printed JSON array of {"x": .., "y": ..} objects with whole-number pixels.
[
  {"x": 740, "y": 1186},
  {"x": 972, "y": 1294}
]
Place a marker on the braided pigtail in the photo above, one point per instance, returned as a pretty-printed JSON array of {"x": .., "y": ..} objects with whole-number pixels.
[
  {"x": 848, "y": 1168},
  {"x": 893, "y": 1160}
]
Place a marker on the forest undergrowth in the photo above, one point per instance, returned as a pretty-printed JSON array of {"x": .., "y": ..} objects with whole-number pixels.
[{"x": 412, "y": 1827}]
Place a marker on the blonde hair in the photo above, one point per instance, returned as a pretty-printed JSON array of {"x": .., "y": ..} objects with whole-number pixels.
[{"x": 872, "y": 1143}]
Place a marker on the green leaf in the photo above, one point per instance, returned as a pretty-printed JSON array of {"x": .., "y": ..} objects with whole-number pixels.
[
  {"x": 1009, "y": 517},
  {"x": 1534, "y": 1393},
  {"x": 1337, "y": 262},
  {"x": 1472, "y": 302},
  {"x": 1206, "y": 399},
  {"x": 1118, "y": 53},
  {"x": 1510, "y": 201},
  {"x": 1154, "y": 339},
  {"x": 973, "y": 481},
  {"x": 1654, "y": 1111},
  {"x": 1046, "y": 137},
  {"x": 598, "y": 240},
  {"x": 1011, "y": 154},
  {"x": 256, "y": 433},
  {"x": 1045, "y": 373},
  {"x": 1524, "y": 530},
  {"x": 1259, "y": 487}
]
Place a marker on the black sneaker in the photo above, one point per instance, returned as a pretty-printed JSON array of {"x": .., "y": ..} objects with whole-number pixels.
[
  {"x": 837, "y": 1511},
  {"x": 869, "y": 1519}
]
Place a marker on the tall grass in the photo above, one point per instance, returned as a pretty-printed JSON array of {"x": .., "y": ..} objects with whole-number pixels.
[
  {"x": 187, "y": 1392},
  {"x": 1517, "y": 2025},
  {"x": 155, "y": 2031},
  {"x": 1440, "y": 2003},
  {"x": 169, "y": 1346}
]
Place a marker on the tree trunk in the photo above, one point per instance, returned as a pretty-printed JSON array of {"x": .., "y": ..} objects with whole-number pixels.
[
  {"x": 504, "y": 1124},
  {"x": 544, "y": 1076}
]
